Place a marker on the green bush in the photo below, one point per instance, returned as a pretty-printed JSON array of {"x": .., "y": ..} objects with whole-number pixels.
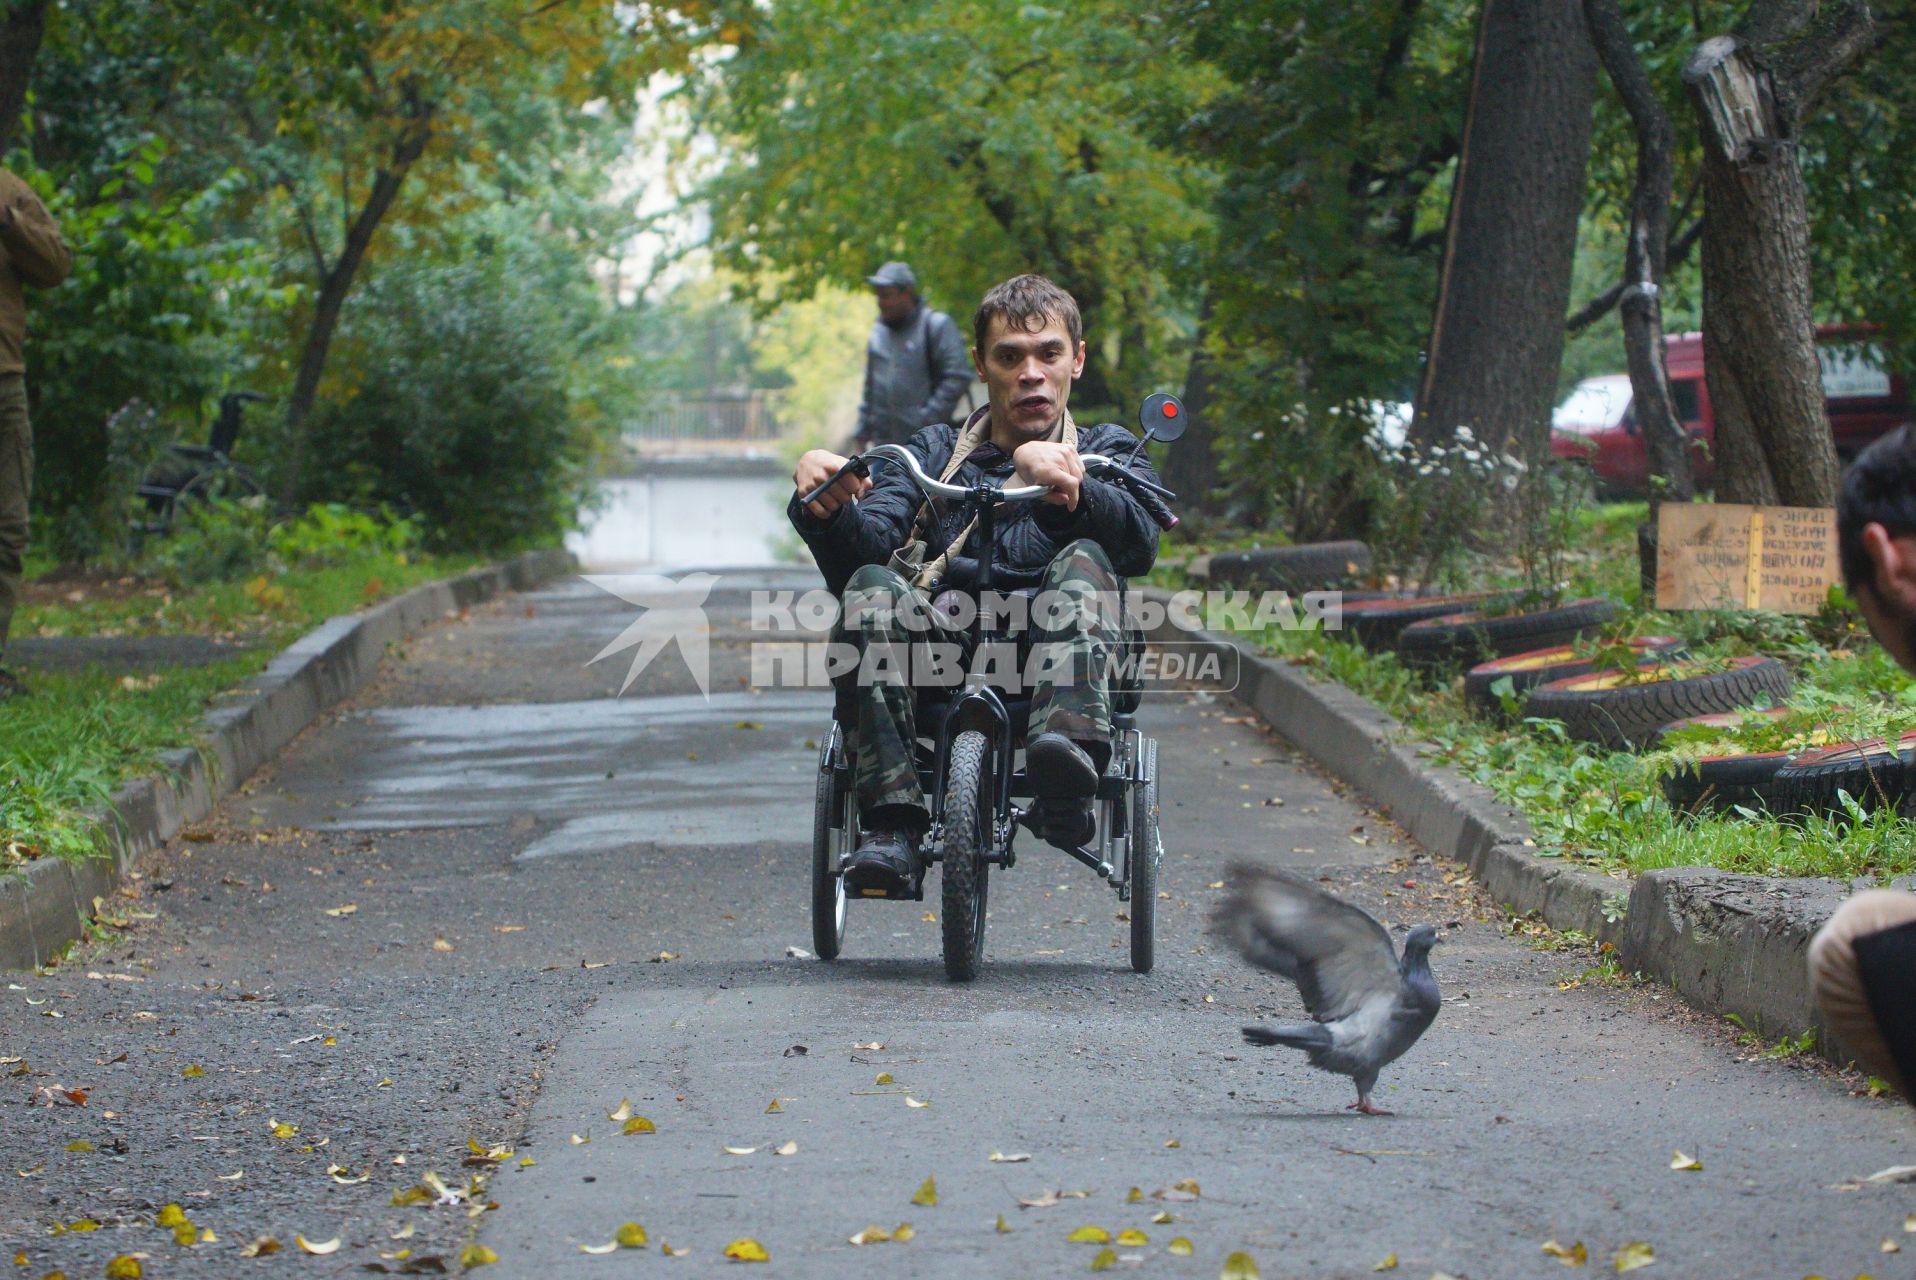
[
  {"x": 459, "y": 412},
  {"x": 333, "y": 533},
  {"x": 214, "y": 542}
]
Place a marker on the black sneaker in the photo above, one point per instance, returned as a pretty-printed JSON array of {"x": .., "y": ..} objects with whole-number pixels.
[
  {"x": 1059, "y": 768},
  {"x": 887, "y": 865},
  {"x": 1064, "y": 824}
]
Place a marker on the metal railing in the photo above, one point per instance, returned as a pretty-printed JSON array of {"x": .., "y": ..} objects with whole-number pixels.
[{"x": 677, "y": 420}]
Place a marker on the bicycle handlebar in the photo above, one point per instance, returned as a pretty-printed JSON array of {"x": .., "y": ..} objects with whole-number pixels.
[{"x": 1149, "y": 495}]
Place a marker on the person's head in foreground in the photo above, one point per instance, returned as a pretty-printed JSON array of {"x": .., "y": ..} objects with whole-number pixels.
[{"x": 1876, "y": 539}]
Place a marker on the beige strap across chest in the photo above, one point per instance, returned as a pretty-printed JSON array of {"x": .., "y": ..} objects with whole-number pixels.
[{"x": 976, "y": 431}]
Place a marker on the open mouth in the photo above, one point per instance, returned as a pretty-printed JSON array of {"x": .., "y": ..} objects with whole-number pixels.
[{"x": 1032, "y": 403}]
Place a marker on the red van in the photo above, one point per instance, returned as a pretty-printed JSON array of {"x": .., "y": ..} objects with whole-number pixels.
[{"x": 1595, "y": 421}]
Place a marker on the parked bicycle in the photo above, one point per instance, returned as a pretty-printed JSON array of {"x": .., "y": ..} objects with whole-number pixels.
[{"x": 186, "y": 474}]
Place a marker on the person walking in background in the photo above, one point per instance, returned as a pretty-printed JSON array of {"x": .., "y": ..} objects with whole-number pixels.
[
  {"x": 31, "y": 253},
  {"x": 1863, "y": 962},
  {"x": 915, "y": 365}
]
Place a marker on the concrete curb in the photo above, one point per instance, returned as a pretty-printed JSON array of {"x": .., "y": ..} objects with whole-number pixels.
[
  {"x": 49, "y": 905},
  {"x": 1730, "y": 944}
]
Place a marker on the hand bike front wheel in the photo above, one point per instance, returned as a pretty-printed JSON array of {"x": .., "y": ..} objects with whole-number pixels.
[{"x": 964, "y": 847}]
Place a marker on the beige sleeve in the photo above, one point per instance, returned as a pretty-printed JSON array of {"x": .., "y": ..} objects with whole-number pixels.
[{"x": 31, "y": 236}]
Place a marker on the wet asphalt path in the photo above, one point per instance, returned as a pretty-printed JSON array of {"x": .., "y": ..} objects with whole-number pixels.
[{"x": 488, "y": 901}]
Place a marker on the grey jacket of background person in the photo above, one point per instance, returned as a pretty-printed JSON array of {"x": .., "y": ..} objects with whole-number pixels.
[
  {"x": 914, "y": 375},
  {"x": 1026, "y": 535}
]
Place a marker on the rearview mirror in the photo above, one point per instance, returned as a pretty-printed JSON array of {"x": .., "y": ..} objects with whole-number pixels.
[{"x": 1162, "y": 417}]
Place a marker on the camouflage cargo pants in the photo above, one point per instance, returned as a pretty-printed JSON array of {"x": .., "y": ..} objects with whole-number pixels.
[
  {"x": 1074, "y": 633},
  {"x": 16, "y": 485}
]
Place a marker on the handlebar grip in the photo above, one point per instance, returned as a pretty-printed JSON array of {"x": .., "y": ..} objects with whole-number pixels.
[
  {"x": 854, "y": 464},
  {"x": 1155, "y": 507}
]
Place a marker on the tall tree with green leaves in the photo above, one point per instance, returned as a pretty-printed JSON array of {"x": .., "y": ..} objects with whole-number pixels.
[{"x": 975, "y": 140}]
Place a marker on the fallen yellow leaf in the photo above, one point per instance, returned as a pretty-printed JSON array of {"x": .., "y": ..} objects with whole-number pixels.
[
  {"x": 323, "y": 1248},
  {"x": 884, "y": 1077},
  {"x": 186, "y": 1234},
  {"x": 999, "y": 1157},
  {"x": 902, "y": 1232},
  {"x": 282, "y": 1129},
  {"x": 873, "y": 1234},
  {"x": 738, "y": 1151},
  {"x": 577, "y": 1141},
  {"x": 476, "y": 1255},
  {"x": 599, "y": 1250},
  {"x": 927, "y": 1195},
  {"x": 441, "y": 945},
  {"x": 1574, "y": 1255},
  {"x": 624, "y": 1112},
  {"x": 1173, "y": 1143},
  {"x": 1132, "y": 1238},
  {"x": 234, "y": 1176},
  {"x": 1163, "y": 1217},
  {"x": 1389, "y": 1263},
  {"x": 1106, "y": 1259},
  {"x": 1188, "y": 1186},
  {"x": 630, "y": 1235},
  {"x": 1090, "y": 1235},
  {"x": 773, "y": 1109},
  {"x": 194, "y": 1070},
  {"x": 913, "y": 1102},
  {"x": 747, "y": 1251},
  {"x": 930, "y": 917},
  {"x": 169, "y": 1216},
  {"x": 1889, "y": 1245},
  {"x": 80, "y": 1145},
  {"x": 1179, "y": 1246},
  {"x": 1680, "y": 1161},
  {"x": 870, "y": 1046},
  {"x": 1134, "y": 1195},
  {"x": 260, "y": 1247},
  {"x": 123, "y": 1267},
  {"x": 670, "y": 1252},
  {"x": 1240, "y": 1266},
  {"x": 637, "y": 1124},
  {"x": 1634, "y": 1255},
  {"x": 1004, "y": 1228},
  {"x": 346, "y": 910}
]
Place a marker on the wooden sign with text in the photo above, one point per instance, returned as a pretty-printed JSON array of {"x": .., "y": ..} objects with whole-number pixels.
[{"x": 1713, "y": 555}]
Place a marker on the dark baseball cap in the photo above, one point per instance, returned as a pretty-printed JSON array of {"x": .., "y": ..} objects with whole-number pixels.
[{"x": 894, "y": 274}]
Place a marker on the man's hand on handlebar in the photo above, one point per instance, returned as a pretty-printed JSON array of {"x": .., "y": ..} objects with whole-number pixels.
[
  {"x": 1048, "y": 463},
  {"x": 818, "y": 466}
]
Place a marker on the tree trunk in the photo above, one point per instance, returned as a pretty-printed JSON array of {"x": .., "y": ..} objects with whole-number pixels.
[
  {"x": 1749, "y": 92},
  {"x": 1191, "y": 465},
  {"x": 20, "y": 32},
  {"x": 334, "y": 285},
  {"x": 1497, "y": 338}
]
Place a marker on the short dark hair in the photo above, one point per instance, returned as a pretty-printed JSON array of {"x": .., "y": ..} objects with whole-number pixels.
[
  {"x": 1878, "y": 488},
  {"x": 1027, "y": 302}
]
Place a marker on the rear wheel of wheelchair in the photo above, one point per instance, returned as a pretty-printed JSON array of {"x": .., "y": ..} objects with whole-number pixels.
[
  {"x": 834, "y": 829},
  {"x": 965, "y": 835},
  {"x": 1141, "y": 853}
]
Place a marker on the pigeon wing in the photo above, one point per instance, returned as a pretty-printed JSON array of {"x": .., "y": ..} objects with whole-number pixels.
[{"x": 1338, "y": 954}]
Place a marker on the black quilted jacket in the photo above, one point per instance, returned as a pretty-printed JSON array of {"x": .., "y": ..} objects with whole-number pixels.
[{"x": 1027, "y": 536}]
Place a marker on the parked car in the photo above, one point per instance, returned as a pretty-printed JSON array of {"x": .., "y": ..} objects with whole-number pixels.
[{"x": 1595, "y": 421}]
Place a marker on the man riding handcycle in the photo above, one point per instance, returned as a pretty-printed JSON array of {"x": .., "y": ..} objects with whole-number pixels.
[{"x": 981, "y": 573}]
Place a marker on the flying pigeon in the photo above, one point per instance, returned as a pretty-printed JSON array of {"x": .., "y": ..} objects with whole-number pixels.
[{"x": 1367, "y": 1005}]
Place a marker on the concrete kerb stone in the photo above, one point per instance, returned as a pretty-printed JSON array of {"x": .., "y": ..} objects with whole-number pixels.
[
  {"x": 1731, "y": 944},
  {"x": 48, "y": 905}
]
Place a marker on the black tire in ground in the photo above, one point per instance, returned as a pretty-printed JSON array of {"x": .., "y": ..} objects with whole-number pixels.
[
  {"x": 1311, "y": 566},
  {"x": 1447, "y": 642},
  {"x": 1725, "y": 720},
  {"x": 1629, "y": 715},
  {"x": 1376, "y": 624},
  {"x": 1718, "y": 783},
  {"x": 1877, "y": 775},
  {"x": 965, "y": 831},
  {"x": 1540, "y": 666},
  {"x": 1141, "y": 854},
  {"x": 828, "y": 887}
]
